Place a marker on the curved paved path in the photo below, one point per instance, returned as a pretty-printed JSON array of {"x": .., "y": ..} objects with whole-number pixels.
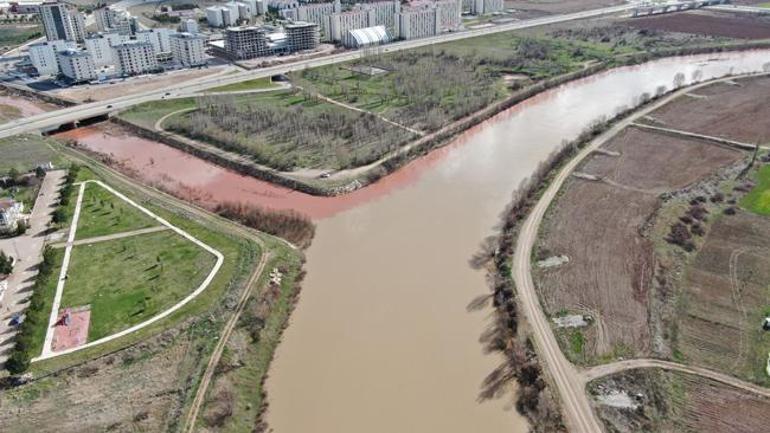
[{"x": 570, "y": 384}]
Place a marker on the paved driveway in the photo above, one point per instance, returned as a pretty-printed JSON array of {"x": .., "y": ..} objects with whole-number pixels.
[{"x": 28, "y": 251}]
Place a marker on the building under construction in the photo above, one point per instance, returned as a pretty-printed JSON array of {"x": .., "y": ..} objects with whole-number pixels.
[
  {"x": 302, "y": 36},
  {"x": 242, "y": 43}
]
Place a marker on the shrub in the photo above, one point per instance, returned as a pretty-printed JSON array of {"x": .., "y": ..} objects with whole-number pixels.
[{"x": 290, "y": 225}]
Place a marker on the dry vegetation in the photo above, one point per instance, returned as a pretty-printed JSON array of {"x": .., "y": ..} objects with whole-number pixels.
[
  {"x": 290, "y": 130},
  {"x": 600, "y": 226},
  {"x": 290, "y": 225},
  {"x": 739, "y": 26},
  {"x": 677, "y": 402}
]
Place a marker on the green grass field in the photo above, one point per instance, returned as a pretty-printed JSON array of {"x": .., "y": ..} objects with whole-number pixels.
[
  {"x": 16, "y": 34},
  {"x": 129, "y": 280},
  {"x": 147, "y": 114},
  {"x": 256, "y": 84},
  {"x": 758, "y": 200},
  {"x": 102, "y": 213},
  {"x": 25, "y": 152}
]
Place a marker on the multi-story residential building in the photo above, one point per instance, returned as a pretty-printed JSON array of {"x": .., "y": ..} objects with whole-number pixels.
[
  {"x": 11, "y": 212},
  {"x": 317, "y": 12},
  {"x": 424, "y": 19},
  {"x": 78, "y": 66},
  {"x": 214, "y": 16},
  {"x": 483, "y": 7},
  {"x": 99, "y": 46},
  {"x": 189, "y": 26},
  {"x": 246, "y": 42},
  {"x": 113, "y": 20},
  {"x": 43, "y": 56},
  {"x": 378, "y": 13},
  {"x": 158, "y": 38},
  {"x": 188, "y": 49},
  {"x": 135, "y": 57},
  {"x": 62, "y": 21},
  {"x": 302, "y": 36}
]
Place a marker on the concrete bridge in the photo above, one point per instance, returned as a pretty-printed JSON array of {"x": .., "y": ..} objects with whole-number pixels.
[{"x": 651, "y": 8}]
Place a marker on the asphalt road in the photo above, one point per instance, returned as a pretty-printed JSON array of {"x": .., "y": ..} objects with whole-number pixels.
[{"x": 56, "y": 118}]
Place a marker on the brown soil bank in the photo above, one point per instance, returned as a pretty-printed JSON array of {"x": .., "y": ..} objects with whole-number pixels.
[
  {"x": 676, "y": 402},
  {"x": 723, "y": 110},
  {"x": 598, "y": 224},
  {"x": 714, "y": 24}
]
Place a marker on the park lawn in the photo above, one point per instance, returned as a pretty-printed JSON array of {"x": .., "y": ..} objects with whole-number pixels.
[
  {"x": 256, "y": 84},
  {"x": 102, "y": 213},
  {"x": 145, "y": 115},
  {"x": 130, "y": 280},
  {"x": 25, "y": 152},
  {"x": 758, "y": 199}
]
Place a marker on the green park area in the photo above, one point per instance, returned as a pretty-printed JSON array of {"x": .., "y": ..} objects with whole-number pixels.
[
  {"x": 102, "y": 213},
  {"x": 243, "y": 86},
  {"x": 25, "y": 152},
  {"x": 12, "y": 35},
  {"x": 127, "y": 281}
]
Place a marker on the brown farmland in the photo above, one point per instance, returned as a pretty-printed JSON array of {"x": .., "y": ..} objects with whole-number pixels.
[
  {"x": 705, "y": 23},
  {"x": 549, "y": 7},
  {"x": 726, "y": 298},
  {"x": 723, "y": 110},
  {"x": 679, "y": 402},
  {"x": 597, "y": 225}
]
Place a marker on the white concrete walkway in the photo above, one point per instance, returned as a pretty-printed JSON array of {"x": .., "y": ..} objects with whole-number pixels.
[{"x": 47, "y": 352}]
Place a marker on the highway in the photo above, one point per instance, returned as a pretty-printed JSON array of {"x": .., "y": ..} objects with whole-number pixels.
[{"x": 53, "y": 119}]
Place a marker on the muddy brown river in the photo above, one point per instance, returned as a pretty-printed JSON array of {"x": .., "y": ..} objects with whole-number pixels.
[{"x": 381, "y": 340}]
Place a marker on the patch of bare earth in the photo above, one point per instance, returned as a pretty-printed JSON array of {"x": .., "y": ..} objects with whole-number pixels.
[
  {"x": 550, "y": 7},
  {"x": 723, "y": 110},
  {"x": 598, "y": 225},
  {"x": 679, "y": 403},
  {"x": 741, "y": 26}
]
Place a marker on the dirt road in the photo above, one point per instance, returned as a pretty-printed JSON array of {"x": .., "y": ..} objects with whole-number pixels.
[{"x": 576, "y": 406}]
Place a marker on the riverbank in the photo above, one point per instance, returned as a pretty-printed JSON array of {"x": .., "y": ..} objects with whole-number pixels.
[{"x": 347, "y": 181}]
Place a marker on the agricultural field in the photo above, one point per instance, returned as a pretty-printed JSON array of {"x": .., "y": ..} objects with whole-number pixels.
[
  {"x": 738, "y": 26},
  {"x": 532, "y": 8},
  {"x": 722, "y": 110},
  {"x": 598, "y": 223},
  {"x": 659, "y": 401}
]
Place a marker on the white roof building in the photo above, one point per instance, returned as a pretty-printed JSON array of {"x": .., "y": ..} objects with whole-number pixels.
[
  {"x": 366, "y": 37},
  {"x": 10, "y": 214},
  {"x": 76, "y": 65},
  {"x": 43, "y": 56}
]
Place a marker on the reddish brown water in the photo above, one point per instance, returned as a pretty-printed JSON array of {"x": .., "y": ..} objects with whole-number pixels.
[{"x": 381, "y": 340}]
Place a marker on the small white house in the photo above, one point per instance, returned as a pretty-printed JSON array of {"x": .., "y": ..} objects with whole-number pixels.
[{"x": 11, "y": 212}]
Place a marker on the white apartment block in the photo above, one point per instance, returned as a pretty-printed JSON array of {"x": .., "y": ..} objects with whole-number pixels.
[
  {"x": 62, "y": 21},
  {"x": 135, "y": 57},
  {"x": 223, "y": 16},
  {"x": 483, "y": 7},
  {"x": 214, "y": 16},
  {"x": 379, "y": 13},
  {"x": 43, "y": 56},
  {"x": 111, "y": 20},
  {"x": 317, "y": 12},
  {"x": 76, "y": 65},
  {"x": 158, "y": 38},
  {"x": 188, "y": 49},
  {"x": 99, "y": 46},
  {"x": 189, "y": 26},
  {"x": 428, "y": 19}
]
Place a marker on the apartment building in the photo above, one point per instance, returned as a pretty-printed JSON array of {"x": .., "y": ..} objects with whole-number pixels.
[
  {"x": 77, "y": 66},
  {"x": 62, "y": 22},
  {"x": 135, "y": 57},
  {"x": 378, "y": 13},
  {"x": 246, "y": 42},
  {"x": 189, "y": 26},
  {"x": 223, "y": 16},
  {"x": 99, "y": 46},
  {"x": 158, "y": 38},
  {"x": 188, "y": 49},
  {"x": 302, "y": 36},
  {"x": 317, "y": 12},
  {"x": 43, "y": 56},
  {"x": 483, "y": 7},
  {"x": 426, "y": 18},
  {"x": 113, "y": 20}
]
